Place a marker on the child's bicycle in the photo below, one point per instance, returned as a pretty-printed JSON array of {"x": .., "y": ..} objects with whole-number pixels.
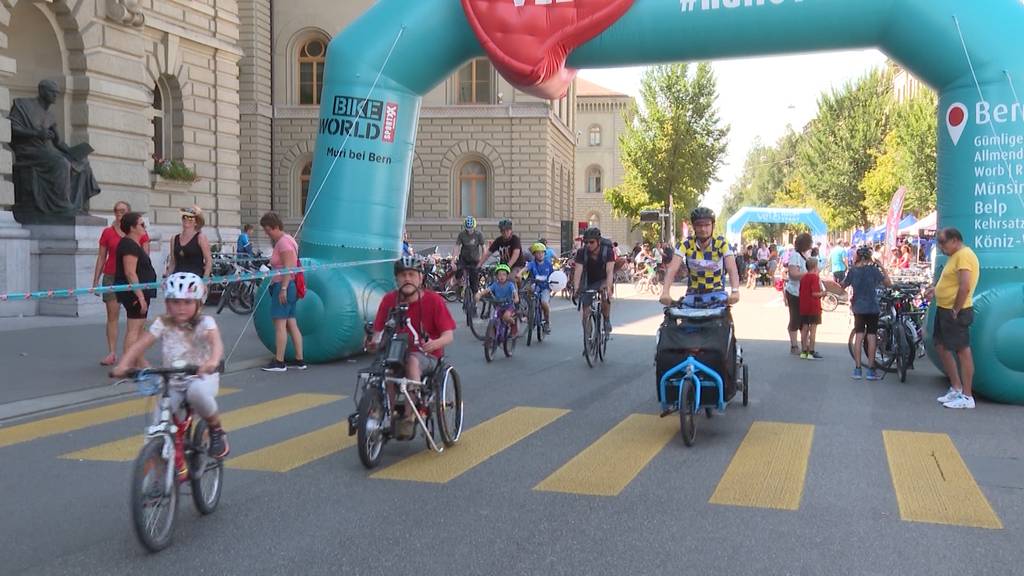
[
  {"x": 535, "y": 327},
  {"x": 498, "y": 333},
  {"x": 171, "y": 444}
]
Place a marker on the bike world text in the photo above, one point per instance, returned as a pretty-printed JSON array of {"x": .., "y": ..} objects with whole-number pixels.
[
  {"x": 361, "y": 118},
  {"x": 704, "y": 5}
]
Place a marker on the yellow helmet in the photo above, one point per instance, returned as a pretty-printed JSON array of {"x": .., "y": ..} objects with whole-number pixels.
[{"x": 538, "y": 247}]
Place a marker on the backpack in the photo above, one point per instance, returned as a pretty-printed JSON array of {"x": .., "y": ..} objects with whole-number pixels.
[
  {"x": 607, "y": 251},
  {"x": 300, "y": 281}
]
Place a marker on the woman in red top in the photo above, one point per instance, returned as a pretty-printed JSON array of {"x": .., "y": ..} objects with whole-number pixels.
[
  {"x": 106, "y": 266},
  {"x": 905, "y": 257}
]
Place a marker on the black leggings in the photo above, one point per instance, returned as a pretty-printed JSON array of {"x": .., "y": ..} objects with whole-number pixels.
[{"x": 793, "y": 303}]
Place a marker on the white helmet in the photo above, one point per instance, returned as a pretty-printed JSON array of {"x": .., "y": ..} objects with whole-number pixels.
[{"x": 184, "y": 286}]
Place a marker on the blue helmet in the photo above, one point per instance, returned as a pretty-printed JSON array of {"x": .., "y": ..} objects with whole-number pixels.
[{"x": 470, "y": 223}]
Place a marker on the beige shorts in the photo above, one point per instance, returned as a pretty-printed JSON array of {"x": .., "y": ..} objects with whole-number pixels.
[{"x": 108, "y": 280}]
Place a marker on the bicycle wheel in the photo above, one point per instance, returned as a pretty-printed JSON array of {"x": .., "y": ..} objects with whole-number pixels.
[
  {"x": 154, "y": 504},
  {"x": 206, "y": 473},
  {"x": 489, "y": 342},
  {"x": 687, "y": 422},
  {"x": 509, "y": 345},
  {"x": 476, "y": 324},
  {"x": 746, "y": 384},
  {"x": 538, "y": 323},
  {"x": 829, "y": 303},
  {"x": 449, "y": 407},
  {"x": 901, "y": 351},
  {"x": 370, "y": 434},
  {"x": 531, "y": 321},
  {"x": 885, "y": 353},
  {"x": 589, "y": 351},
  {"x": 602, "y": 343},
  {"x": 225, "y": 298}
]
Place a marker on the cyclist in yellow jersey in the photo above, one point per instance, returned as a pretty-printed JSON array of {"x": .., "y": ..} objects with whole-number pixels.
[{"x": 706, "y": 259}]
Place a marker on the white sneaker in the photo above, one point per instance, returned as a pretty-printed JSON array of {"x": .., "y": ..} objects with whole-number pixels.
[
  {"x": 960, "y": 401},
  {"x": 949, "y": 396}
]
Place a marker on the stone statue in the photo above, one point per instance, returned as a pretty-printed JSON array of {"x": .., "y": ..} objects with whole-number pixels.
[{"x": 51, "y": 181}]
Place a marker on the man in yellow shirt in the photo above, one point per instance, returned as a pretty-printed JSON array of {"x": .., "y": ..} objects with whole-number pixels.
[{"x": 954, "y": 293}]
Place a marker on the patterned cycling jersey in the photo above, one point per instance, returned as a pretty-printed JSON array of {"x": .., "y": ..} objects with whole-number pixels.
[{"x": 706, "y": 265}]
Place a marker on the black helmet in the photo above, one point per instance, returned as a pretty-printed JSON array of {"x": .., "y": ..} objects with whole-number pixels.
[
  {"x": 592, "y": 233},
  {"x": 404, "y": 263},
  {"x": 865, "y": 253},
  {"x": 702, "y": 213},
  {"x": 505, "y": 224}
]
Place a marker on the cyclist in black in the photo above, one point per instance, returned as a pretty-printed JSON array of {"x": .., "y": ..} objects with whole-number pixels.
[
  {"x": 469, "y": 247},
  {"x": 509, "y": 249},
  {"x": 595, "y": 270}
]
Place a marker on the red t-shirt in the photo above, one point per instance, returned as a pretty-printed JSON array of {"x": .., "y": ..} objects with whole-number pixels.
[
  {"x": 109, "y": 239},
  {"x": 809, "y": 305},
  {"x": 429, "y": 315}
]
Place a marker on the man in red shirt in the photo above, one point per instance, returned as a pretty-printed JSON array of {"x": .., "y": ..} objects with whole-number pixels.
[
  {"x": 811, "y": 292},
  {"x": 429, "y": 324}
]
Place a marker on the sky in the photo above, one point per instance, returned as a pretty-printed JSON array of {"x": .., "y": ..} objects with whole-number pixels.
[{"x": 759, "y": 98}]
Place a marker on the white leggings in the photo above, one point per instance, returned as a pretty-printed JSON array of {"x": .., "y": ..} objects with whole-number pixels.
[{"x": 200, "y": 391}]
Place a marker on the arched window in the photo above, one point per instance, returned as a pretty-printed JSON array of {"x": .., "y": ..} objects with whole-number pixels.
[
  {"x": 474, "y": 83},
  {"x": 594, "y": 184},
  {"x": 307, "y": 171},
  {"x": 311, "y": 70},
  {"x": 164, "y": 120},
  {"x": 472, "y": 190},
  {"x": 595, "y": 135}
]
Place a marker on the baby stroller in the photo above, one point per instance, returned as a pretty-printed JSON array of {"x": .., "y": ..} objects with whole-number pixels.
[
  {"x": 834, "y": 296},
  {"x": 764, "y": 277},
  {"x": 698, "y": 363}
]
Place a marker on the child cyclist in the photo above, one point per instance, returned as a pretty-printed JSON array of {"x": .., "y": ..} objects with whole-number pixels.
[
  {"x": 811, "y": 292},
  {"x": 187, "y": 336},
  {"x": 505, "y": 295},
  {"x": 541, "y": 269}
]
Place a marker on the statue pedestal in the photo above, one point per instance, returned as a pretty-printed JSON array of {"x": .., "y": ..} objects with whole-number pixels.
[
  {"x": 64, "y": 256},
  {"x": 15, "y": 266}
]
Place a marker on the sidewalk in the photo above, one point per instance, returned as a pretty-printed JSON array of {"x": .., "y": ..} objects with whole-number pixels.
[{"x": 48, "y": 356}]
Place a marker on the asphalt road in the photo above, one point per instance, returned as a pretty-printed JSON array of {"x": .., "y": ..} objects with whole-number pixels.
[{"x": 818, "y": 475}]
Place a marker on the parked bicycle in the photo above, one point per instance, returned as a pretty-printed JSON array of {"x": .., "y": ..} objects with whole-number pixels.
[
  {"x": 900, "y": 337},
  {"x": 240, "y": 296},
  {"x": 175, "y": 440}
]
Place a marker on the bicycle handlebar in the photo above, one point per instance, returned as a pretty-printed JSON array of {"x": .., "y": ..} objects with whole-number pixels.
[{"x": 187, "y": 370}]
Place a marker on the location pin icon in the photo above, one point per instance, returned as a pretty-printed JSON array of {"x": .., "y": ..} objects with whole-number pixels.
[{"x": 956, "y": 121}]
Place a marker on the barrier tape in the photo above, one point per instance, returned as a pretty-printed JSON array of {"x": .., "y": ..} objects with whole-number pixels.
[{"x": 226, "y": 279}]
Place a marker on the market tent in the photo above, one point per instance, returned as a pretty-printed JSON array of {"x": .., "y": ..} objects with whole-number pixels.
[{"x": 927, "y": 223}]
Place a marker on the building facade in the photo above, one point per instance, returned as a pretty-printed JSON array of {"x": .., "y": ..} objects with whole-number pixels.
[{"x": 601, "y": 121}]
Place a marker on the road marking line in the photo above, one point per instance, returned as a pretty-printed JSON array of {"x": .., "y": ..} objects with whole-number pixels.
[
  {"x": 298, "y": 451},
  {"x": 81, "y": 419},
  {"x": 476, "y": 446},
  {"x": 768, "y": 469},
  {"x": 932, "y": 483},
  {"x": 608, "y": 465},
  {"x": 126, "y": 449}
]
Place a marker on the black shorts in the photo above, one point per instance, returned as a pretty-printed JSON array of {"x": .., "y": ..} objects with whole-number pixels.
[
  {"x": 810, "y": 320},
  {"x": 585, "y": 298},
  {"x": 793, "y": 302},
  {"x": 839, "y": 276},
  {"x": 953, "y": 333},
  {"x": 132, "y": 307},
  {"x": 865, "y": 323}
]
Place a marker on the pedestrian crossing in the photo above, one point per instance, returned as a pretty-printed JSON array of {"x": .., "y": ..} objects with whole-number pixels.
[{"x": 768, "y": 470}]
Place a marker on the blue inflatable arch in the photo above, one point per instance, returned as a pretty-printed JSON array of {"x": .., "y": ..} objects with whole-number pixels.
[
  {"x": 970, "y": 52},
  {"x": 747, "y": 215}
]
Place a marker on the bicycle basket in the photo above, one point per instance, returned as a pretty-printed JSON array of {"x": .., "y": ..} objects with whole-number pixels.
[{"x": 148, "y": 384}]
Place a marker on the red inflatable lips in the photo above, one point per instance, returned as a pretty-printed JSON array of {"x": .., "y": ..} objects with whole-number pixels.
[{"x": 529, "y": 40}]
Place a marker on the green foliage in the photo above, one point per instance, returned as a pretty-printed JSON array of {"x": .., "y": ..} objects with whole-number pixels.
[
  {"x": 173, "y": 170},
  {"x": 673, "y": 143}
]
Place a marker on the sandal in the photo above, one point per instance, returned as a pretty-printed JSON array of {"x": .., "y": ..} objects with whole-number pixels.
[{"x": 110, "y": 360}]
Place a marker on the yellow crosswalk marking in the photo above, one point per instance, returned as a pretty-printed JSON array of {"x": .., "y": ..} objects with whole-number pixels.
[
  {"x": 933, "y": 484},
  {"x": 298, "y": 451},
  {"x": 81, "y": 419},
  {"x": 608, "y": 465},
  {"x": 769, "y": 467},
  {"x": 476, "y": 446},
  {"x": 126, "y": 449}
]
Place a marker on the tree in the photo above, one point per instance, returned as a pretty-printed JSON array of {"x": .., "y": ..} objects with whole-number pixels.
[
  {"x": 769, "y": 178},
  {"x": 840, "y": 147},
  {"x": 907, "y": 159},
  {"x": 674, "y": 141}
]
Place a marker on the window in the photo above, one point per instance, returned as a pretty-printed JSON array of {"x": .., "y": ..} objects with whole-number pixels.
[
  {"x": 595, "y": 135},
  {"x": 311, "y": 70},
  {"x": 474, "y": 82},
  {"x": 594, "y": 180},
  {"x": 307, "y": 171},
  {"x": 472, "y": 189},
  {"x": 594, "y": 220},
  {"x": 163, "y": 120}
]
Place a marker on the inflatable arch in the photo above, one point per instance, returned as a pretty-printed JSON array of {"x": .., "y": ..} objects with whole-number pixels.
[
  {"x": 746, "y": 215},
  {"x": 379, "y": 66}
]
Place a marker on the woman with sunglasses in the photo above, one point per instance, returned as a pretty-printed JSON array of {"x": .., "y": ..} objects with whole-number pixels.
[
  {"x": 106, "y": 267},
  {"x": 190, "y": 249},
  {"x": 134, "y": 267}
]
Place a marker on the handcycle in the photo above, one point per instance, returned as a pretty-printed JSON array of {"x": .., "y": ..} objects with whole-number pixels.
[
  {"x": 595, "y": 339},
  {"x": 437, "y": 395},
  {"x": 699, "y": 363},
  {"x": 498, "y": 333},
  {"x": 171, "y": 443}
]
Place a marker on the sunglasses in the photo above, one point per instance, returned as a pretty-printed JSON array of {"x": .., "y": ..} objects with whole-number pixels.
[
  {"x": 187, "y": 217},
  {"x": 592, "y": 242}
]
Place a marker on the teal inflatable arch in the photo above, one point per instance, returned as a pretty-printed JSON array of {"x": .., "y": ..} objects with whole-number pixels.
[
  {"x": 747, "y": 215},
  {"x": 378, "y": 68}
]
